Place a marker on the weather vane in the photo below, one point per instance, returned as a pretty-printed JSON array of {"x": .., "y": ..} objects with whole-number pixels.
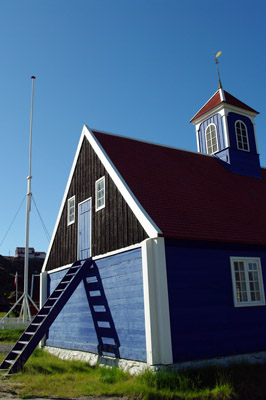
[{"x": 216, "y": 62}]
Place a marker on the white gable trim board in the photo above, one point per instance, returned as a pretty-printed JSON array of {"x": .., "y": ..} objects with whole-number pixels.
[{"x": 147, "y": 223}]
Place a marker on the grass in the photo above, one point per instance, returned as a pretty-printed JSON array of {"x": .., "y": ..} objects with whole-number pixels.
[
  {"x": 45, "y": 375},
  {"x": 10, "y": 334}
]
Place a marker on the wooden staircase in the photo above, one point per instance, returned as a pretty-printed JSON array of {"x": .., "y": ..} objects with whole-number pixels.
[{"x": 45, "y": 317}]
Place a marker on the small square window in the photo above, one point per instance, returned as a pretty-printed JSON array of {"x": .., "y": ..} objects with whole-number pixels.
[
  {"x": 100, "y": 193},
  {"x": 71, "y": 211},
  {"x": 247, "y": 282}
]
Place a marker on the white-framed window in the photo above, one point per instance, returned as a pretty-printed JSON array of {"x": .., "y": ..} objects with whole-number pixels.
[
  {"x": 71, "y": 210},
  {"x": 241, "y": 136},
  {"x": 247, "y": 281},
  {"x": 211, "y": 139},
  {"x": 100, "y": 194}
]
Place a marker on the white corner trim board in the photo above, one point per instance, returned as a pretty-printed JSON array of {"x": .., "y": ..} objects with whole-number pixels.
[{"x": 156, "y": 304}]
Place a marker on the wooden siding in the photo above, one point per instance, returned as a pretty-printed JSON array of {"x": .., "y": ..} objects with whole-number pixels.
[
  {"x": 113, "y": 227},
  {"x": 121, "y": 278},
  {"x": 204, "y": 321},
  {"x": 232, "y": 118},
  {"x": 217, "y": 121}
]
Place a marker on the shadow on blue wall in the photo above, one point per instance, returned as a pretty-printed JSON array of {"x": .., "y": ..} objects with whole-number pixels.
[{"x": 101, "y": 313}]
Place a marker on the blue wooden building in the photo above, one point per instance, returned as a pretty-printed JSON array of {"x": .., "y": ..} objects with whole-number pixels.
[{"x": 177, "y": 241}]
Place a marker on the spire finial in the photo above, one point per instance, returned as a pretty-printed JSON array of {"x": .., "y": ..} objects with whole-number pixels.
[{"x": 216, "y": 62}]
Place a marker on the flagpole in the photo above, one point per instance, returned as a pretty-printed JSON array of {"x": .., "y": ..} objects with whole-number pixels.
[{"x": 25, "y": 306}]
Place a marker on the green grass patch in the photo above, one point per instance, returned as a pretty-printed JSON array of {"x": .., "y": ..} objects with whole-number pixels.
[
  {"x": 3, "y": 313},
  {"x": 10, "y": 334},
  {"x": 45, "y": 375}
]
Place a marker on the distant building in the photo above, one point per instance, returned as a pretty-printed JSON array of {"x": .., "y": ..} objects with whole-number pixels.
[
  {"x": 40, "y": 254},
  {"x": 20, "y": 252}
]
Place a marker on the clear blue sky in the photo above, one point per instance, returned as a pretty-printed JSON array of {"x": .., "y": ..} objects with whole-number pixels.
[{"x": 139, "y": 68}]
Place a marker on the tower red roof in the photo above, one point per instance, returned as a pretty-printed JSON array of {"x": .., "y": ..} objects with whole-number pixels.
[{"x": 216, "y": 99}]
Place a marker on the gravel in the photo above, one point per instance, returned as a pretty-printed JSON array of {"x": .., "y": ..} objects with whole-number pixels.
[{"x": 5, "y": 348}]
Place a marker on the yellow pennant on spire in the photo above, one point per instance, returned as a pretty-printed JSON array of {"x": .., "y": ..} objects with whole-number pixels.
[{"x": 218, "y": 54}]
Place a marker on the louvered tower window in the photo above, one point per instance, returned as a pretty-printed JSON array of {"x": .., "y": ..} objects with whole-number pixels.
[
  {"x": 211, "y": 139},
  {"x": 241, "y": 136}
]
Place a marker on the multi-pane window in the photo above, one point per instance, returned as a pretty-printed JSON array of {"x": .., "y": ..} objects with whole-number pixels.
[
  {"x": 100, "y": 193},
  {"x": 247, "y": 282},
  {"x": 241, "y": 136},
  {"x": 211, "y": 139},
  {"x": 71, "y": 210}
]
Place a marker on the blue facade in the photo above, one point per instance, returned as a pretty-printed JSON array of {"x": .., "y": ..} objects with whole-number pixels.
[
  {"x": 204, "y": 321},
  {"x": 216, "y": 120},
  {"x": 231, "y": 120},
  {"x": 120, "y": 295},
  {"x": 237, "y": 161}
]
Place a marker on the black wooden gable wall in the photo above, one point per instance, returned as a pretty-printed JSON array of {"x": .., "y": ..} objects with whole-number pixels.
[{"x": 113, "y": 227}]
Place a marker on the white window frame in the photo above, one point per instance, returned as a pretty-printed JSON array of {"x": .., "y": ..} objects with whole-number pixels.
[
  {"x": 212, "y": 144},
  {"x": 97, "y": 208},
  {"x": 249, "y": 302},
  {"x": 246, "y": 132},
  {"x": 71, "y": 215}
]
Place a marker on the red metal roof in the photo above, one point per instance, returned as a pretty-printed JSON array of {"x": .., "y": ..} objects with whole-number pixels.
[
  {"x": 190, "y": 195},
  {"x": 215, "y": 100}
]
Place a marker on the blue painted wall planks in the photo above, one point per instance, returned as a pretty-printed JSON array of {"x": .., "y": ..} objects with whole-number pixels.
[
  {"x": 204, "y": 321},
  {"x": 122, "y": 288},
  {"x": 217, "y": 120}
]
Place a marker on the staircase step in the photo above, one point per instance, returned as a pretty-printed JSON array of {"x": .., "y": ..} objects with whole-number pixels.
[
  {"x": 10, "y": 361},
  {"x": 29, "y": 339}
]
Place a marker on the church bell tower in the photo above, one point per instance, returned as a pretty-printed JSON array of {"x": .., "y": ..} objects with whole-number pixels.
[{"x": 225, "y": 128}]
